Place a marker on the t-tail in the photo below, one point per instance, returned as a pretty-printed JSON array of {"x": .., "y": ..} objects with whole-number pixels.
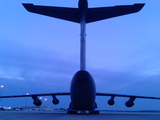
[{"x": 83, "y": 15}]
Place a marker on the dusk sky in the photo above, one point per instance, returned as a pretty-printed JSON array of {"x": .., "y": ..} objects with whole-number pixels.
[{"x": 40, "y": 54}]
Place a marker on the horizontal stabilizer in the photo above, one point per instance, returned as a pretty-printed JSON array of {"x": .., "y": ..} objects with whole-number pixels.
[
  {"x": 93, "y": 14},
  {"x": 101, "y": 13},
  {"x": 65, "y": 13}
]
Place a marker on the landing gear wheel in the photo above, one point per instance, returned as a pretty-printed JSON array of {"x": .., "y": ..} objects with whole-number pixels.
[
  {"x": 96, "y": 112},
  {"x": 72, "y": 112},
  {"x": 93, "y": 112}
]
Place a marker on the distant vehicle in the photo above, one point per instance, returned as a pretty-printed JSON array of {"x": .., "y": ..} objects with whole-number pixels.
[
  {"x": 5, "y": 108},
  {"x": 83, "y": 89},
  {"x": 16, "y": 109},
  {"x": 1, "y": 108}
]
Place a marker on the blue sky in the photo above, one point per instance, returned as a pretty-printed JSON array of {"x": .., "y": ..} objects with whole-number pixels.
[{"x": 40, "y": 54}]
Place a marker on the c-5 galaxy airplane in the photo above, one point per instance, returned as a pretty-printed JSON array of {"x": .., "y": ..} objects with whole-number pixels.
[{"x": 82, "y": 90}]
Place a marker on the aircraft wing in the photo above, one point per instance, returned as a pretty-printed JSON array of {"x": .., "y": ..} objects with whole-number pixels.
[
  {"x": 128, "y": 103},
  {"x": 96, "y": 14},
  {"x": 35, "y": 98},
  {"x": 55, "y": 101},
  {"x": 70, "y": 14},
  {"x": 67, "y": 93},
  {"x": 120, "y": 95},
  {"x": 30, "y": 95}
]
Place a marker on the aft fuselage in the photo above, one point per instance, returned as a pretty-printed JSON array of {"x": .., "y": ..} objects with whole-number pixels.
[{"x": 83, "y": 91}]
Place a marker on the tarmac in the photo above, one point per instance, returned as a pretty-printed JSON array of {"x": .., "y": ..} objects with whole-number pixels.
[{"x": 23, "y": 115}]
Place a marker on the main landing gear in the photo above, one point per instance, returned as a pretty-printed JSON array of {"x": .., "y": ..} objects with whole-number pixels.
[
  {"x": 72, "y": 112},
  {"x": 94, "y": 112},
  {"x": 82, "y": 112}
]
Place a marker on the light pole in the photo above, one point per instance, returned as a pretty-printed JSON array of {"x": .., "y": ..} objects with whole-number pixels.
[
  {"x": 1, "y": 86},
  {"x": 27, "y": 99},
  {"x": 45, "y": 101},
  {"x": 40, "y": 99}
]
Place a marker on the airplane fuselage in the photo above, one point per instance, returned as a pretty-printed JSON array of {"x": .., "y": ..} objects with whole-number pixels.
[{"x": 83, "y": 91}]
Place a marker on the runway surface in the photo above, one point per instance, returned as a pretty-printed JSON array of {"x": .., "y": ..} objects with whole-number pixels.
[{"x": 21, "y": 115}]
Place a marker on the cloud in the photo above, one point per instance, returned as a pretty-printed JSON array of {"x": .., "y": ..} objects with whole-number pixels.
[{"x": 34, "y": 69}]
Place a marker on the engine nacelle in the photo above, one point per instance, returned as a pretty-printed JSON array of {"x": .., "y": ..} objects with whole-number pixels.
[
  {"x": 55, "y": 101},
  {"x": 129, "y": 104},
  {"x": 37, "y": 102},
  {"x": 111, "y": 102}
]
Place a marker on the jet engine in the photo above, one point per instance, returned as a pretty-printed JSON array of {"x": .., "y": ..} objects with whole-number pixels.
[
  {"x": 130, "y": 103},
  {"x": 55, "y": 101},
  {"x": 111, "y": 100},
  {"x": 36, "y": 102}
]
